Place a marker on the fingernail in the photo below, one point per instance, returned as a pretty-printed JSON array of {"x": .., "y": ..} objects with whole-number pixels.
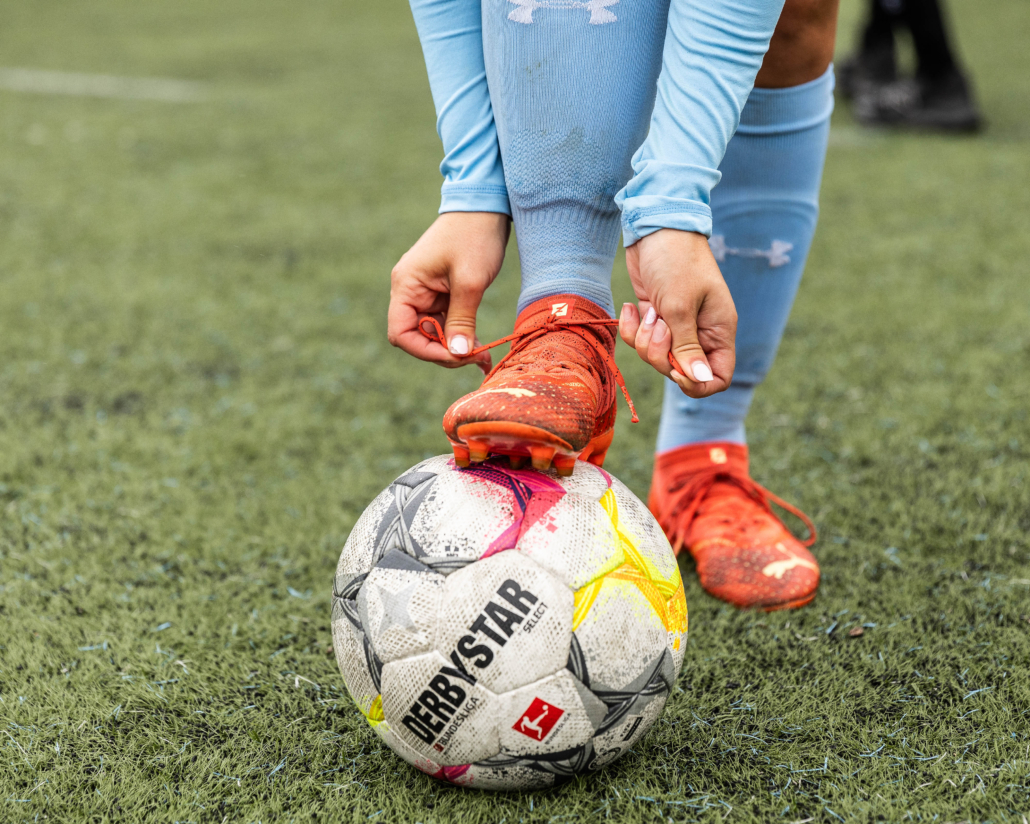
[
  {"x": 459, "y": 345},
  {"x": 677, "y": 375},
  {"x": 660, "y": 331},
  {"x": 625, "y": 312},
  {"x": 701, "y": 371},
  {"x": 650, "y": 317}
]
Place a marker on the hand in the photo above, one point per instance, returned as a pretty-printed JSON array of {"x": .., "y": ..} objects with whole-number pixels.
[
  {"x": 687, "y": 309},
  {"x": 445, "y": 275}
]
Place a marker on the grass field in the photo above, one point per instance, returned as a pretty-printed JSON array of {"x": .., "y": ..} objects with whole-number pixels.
[{"x": 197, "y": 401}]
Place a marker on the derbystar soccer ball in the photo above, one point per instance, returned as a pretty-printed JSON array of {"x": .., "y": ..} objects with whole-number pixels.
[{"x": 501, "y": 628}]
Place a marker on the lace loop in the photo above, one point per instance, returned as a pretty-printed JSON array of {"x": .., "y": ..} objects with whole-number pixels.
[
  {"x": 521, "y": 339},
  {"x": 689, "y": 490}
]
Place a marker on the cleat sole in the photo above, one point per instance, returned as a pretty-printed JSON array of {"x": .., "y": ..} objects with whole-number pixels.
[
  {"x": 800, "y": 602},
  {"x": 522, "y": 443}
]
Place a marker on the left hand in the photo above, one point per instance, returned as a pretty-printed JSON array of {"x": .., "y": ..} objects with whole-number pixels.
[{"x": 685, "y": 307}]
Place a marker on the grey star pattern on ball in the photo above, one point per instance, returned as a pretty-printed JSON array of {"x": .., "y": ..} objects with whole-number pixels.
[{"x": 395, "y": 608}]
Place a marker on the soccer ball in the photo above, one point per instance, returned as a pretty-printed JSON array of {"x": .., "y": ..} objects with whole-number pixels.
[{"x": 505, "y": 628}]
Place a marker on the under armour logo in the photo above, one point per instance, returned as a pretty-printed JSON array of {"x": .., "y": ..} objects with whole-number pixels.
[
  {"x": 598, "y": 9},
  {"x": 776, "y": 254}
]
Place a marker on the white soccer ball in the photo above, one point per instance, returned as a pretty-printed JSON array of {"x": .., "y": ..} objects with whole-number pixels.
[{"x": 503, "y": 629}]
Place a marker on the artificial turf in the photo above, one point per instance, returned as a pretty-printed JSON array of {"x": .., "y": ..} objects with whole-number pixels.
[{"x": 197, "y": 400}]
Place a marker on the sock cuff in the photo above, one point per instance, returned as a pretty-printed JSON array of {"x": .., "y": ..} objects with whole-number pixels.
[{"x": 779, "y": 111}]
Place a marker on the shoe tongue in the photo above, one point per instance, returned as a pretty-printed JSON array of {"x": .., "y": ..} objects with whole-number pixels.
[
  {"x": 704, "y": 457},
  {"x": 566, "y": 307}
]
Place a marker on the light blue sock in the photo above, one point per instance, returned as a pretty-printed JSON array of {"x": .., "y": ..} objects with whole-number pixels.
[
  {"x": 572, "y": 91},
  {"x": 764, "y": 214},
  {"x": 593, "y": 106}
]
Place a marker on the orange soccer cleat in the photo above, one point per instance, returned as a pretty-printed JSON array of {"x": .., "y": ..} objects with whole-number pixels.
[
  {"x": 551, "y": 398},
  {"x": 705, "y": 500}
]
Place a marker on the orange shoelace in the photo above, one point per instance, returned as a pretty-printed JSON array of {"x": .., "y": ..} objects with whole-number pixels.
[
  {"x": 689, "y": 490},
  {"x": 520, "y": 340}
]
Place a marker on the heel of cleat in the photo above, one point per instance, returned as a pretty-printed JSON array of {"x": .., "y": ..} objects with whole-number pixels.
[{"x": 599, "y": 448}]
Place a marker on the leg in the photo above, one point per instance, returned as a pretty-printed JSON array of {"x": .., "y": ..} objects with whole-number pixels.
[
  {"x": 802, "y": 45},
  {"x": 764, "y": 215},
  {"x": 873, "y": 64},
  {"x": 572, "y": 102},
  {"x": 572, "y": 86},
  {"x": 929, "y": 38},
  {"x": 767, "y": 201}
]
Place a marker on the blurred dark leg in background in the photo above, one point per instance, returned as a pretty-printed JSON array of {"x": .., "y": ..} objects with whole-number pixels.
[
  {"x": 874, "y": 62},
  {"x": 938, "y": 97}
]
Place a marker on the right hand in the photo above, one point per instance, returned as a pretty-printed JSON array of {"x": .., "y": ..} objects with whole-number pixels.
[
  {"x": 445, "y": 274},
  {"x": 685, "y": 308}
]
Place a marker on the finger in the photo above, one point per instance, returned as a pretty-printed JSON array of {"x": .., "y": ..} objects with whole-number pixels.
[
  {"x": 716, "y": 333},
  {"x": 404, "y": 333},
  {"x": 659, "y": 347},
  {"x": 646, "y": 330},
  {"x": 697, "y": 379},
  {"x": 460, "y": 328},
  {"x": 690, "y": 367},
  {"x": 629, "y": 323},
  {"x": 693, "y": 373}
]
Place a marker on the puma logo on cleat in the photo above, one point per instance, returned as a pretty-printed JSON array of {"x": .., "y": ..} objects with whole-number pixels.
[
  {"x": 776, "y": 254},
  {"x": 777, "y": 569}
]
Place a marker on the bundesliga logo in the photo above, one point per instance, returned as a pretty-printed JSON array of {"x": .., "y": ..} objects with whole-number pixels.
[{"x": 538, "y": 720}]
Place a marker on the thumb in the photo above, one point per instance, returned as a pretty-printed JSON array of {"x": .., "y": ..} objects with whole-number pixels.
[
  {"x": 689, "y": 362},
  {"x": 460, "y": 326}
]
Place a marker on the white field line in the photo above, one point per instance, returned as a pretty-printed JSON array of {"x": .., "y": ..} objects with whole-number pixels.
[{"x": 40, "y": 81}]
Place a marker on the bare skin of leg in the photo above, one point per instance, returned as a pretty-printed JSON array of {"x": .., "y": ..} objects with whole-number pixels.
[{"x": 802, "y": 45}]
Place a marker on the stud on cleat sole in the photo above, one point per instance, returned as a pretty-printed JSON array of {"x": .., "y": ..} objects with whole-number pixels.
[
  {"x": 517, "y": 461},
  {"x": 564, "y": 464},
  {"x": 478, "y": 451},
  {"x": 461, "y": 456},
  {"x": 542, "y": 456}
]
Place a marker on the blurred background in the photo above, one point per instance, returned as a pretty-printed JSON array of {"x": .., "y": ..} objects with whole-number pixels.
[{"x": 200, "y": 204}]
